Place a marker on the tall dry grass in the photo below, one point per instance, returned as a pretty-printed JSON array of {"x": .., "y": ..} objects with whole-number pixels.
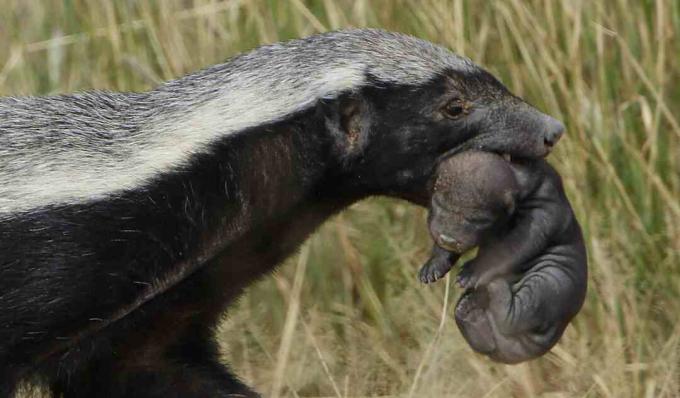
[{"x": 347, "y": 317}]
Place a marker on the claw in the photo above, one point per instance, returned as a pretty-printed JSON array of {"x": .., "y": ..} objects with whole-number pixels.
[
  {"x": 426, "y": 275},
  {"x": 422, "y": 276},
  {"x": 433, "y": 270}
]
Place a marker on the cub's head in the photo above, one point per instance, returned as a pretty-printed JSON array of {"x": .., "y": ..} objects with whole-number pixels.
[
  {"x": 417, "y": 102},
  {"x": 473, "y": 193}
]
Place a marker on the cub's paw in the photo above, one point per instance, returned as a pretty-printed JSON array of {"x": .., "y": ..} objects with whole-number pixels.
[
  {"x": 433, "y": 270},
  {"x": 467, "y": 277}
]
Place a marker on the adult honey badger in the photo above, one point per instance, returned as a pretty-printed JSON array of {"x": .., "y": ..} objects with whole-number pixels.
[{"x": 129, "y": 221}]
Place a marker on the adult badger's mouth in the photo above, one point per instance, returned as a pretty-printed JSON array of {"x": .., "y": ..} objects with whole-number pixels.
[{"x": 510, "y": 149}]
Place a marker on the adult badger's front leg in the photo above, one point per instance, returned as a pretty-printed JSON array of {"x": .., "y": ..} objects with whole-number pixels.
[{"x": 129, "y": 220}]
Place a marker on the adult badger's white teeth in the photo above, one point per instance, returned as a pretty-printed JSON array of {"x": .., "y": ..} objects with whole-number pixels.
[{"x": 507, "y": 157}]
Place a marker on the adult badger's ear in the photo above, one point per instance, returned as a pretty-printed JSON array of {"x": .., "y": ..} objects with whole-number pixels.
[{"x": 346, "y": 120}]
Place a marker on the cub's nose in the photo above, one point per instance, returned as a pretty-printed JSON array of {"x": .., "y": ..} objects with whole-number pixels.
[{"x": 553, "y": 131}]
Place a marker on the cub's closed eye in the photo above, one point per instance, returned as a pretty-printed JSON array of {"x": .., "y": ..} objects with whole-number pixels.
[
  {"x": 455, "y": 108},
  {"x": 479, "y": 221}
]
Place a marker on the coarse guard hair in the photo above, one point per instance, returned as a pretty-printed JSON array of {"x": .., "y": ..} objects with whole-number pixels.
[{"x": 66, "y": 149}]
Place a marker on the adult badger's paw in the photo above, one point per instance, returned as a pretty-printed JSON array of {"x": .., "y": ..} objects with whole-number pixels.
[{"x": 509, "y": 326}]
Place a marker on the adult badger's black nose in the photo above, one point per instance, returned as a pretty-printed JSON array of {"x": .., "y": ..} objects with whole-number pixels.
[{"x": 553, "y": 131}]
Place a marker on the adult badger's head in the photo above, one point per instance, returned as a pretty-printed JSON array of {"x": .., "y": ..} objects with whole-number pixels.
[{"x": 408, "y": 102}]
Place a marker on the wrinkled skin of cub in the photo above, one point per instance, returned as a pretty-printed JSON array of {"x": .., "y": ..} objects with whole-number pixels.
[{"x": 530, "y": 275}]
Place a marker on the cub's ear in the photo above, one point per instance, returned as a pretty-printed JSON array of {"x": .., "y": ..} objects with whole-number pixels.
[{"x": 346, "y": 119}]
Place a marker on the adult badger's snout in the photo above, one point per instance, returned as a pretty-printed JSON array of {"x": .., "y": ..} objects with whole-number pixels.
[
  {"x": 517, "y": 130},
  {"x": 543, "y": 131},
  {"x": 528, "y": 132}
]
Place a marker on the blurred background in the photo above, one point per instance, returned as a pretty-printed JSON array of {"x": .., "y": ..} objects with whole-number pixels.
[{"x": 347, "y": 316}]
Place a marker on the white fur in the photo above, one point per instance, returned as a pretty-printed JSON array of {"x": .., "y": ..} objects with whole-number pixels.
[{"x": 73, "y": 149}]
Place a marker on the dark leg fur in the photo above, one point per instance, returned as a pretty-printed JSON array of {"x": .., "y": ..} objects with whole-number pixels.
[
  {"x": 8, "y": 383},
  {"x": 167, "y": 380},
  {"x": 166, "y": 350},
  {"x": 188, "y": 369},
  {"x": 204, "y": 375}
]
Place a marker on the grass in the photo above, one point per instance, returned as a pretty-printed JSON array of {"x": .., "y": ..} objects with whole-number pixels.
[{"x": 346, "y": 317}]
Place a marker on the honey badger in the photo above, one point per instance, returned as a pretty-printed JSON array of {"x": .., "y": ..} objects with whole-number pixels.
[{"x": 130, "y": 221}]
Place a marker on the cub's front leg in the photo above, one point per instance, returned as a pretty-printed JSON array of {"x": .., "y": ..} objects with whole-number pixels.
[{"x": 439, "y": 263}]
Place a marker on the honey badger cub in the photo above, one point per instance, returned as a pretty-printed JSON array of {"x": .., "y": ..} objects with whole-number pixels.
[{"x": 529, "y": 277}]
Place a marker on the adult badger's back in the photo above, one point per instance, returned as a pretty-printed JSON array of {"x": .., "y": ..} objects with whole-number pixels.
[{"x": 129, "y": 221}]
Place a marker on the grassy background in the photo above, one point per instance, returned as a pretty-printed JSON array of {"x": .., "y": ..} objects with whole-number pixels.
[{"x": 347, "y": 317}]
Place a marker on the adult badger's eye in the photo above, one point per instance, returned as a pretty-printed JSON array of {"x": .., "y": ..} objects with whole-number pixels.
[{"x": 455, "y": 108}]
